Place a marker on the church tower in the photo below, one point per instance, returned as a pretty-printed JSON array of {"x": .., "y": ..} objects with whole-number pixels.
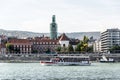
[{"x": 53, "y": 29}]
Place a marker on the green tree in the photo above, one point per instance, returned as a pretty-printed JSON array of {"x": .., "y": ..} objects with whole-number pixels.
[
  {"x": 90, "y": 49},
  {"x": 47, "y": 50},
  {"x": 79, "y": 45},
  {"x": 83, "y": 45},
  {"x": 70, "y": 48},
  {"x": 34, "y": 51},
  {"x": 115, "y": 49},
  {"x": 58, "y": 49},
  {"x": 85, "y": 39},
  {"x": 63, "y": 49},
  {"x": 10, "y": 47}
]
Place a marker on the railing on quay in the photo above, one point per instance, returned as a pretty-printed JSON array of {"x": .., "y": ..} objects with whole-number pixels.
[{"x": 50, "y": 55}]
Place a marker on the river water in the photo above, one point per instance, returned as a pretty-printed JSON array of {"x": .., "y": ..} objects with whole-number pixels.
[{"x": 34, "y": 71}]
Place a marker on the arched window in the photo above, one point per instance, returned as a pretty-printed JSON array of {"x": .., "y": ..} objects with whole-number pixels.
[{"x": 63, "y": 45}]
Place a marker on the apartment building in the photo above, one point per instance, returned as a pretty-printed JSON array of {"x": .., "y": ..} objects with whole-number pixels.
[{"x": 109, "y": 38}]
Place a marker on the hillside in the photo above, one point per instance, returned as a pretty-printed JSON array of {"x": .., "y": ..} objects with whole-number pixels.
[{"x": 24, "y": 34}]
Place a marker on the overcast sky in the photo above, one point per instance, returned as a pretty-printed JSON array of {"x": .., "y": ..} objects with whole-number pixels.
[{"x": 71, "y": 15}]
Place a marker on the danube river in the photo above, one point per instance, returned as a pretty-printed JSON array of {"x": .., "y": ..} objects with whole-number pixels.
[{"x": 34, "y": 71}]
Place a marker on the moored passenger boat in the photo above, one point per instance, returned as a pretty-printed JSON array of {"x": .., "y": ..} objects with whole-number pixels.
[{"x": 68, "y": 60}]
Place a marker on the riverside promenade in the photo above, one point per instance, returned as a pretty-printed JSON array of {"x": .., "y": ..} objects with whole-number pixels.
[{"x": 33, "y": 58}]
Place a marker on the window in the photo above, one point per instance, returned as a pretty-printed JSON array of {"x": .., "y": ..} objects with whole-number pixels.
[
  {"x": 37, "y": 42},
  {"x": 53, "y": 43},
  {"x": 40, "y": 42},
  {"x": 43, "y": 42},
  {"x": 63, "y": 45}
]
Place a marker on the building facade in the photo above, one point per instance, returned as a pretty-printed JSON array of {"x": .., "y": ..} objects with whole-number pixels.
[
  {"x": 3, "y": 40},
  {"x": 45, "y": 45},
  {"x": 64, "y": 40},
  {"x": 20, "y": 46},
  {"x": 97, "y": 46},
  {"x": 53, "y": 29},
  {"x": 110, "y": 38}
]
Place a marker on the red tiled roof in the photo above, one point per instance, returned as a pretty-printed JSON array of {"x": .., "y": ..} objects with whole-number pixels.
[
  {"x": 63, "y": 37},
  {"x": 19, "y": 41}
]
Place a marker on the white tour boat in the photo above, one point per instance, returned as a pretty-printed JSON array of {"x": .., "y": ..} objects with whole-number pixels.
[{"x": 68, "y": 60}]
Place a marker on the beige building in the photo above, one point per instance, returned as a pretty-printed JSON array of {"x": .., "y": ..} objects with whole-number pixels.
[
  {"x": 43, "y": 45},
  {"x": 21, "y": 46},
  {"x": 97, "y": 46}
]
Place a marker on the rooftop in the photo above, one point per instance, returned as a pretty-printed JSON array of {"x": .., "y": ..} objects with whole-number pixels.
[{"x": 63, "y": 37}]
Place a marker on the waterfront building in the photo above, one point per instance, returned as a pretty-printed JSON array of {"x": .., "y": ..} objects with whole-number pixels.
[
  {"x": 53, "y": 29},
  {"x": 91, "y": 41},
  {"x": 64, "y": 40},
  {"x": 3, "y": 40},
  {"x": 44, "y": 45},
  {"x": 74, "y": 42},
  {"x": 97, "y": 46},
  {"x": 21, "y": 46},
  {"x": 2, "y": 49},
  {"x": 40, "y": 44},
  {"x": 110, "y": 38}
]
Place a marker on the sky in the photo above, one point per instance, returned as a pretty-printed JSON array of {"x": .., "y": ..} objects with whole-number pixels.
[{"x": 71, "y": 15}]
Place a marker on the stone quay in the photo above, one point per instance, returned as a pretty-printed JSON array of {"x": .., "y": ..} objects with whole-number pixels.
[{"x": 37, "y": 57}]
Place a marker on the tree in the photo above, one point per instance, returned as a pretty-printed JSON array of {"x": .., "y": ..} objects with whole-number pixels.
[
  {"x": 83, "y": 45},
  {"x": 58, "y": 49},
  {"x": 47, "y": 50},
  {"x": 79, "y": 45},
  {"x": 115, "y": 49},
  {"x": 10, "y": 47},
  {"x": 90, "y": 49},
  {"x": 85, "y": 39},
  {"x": 34, "y": 51},
  {"x": 70, "y": 48},
  {"x": 63, "y": 49}
]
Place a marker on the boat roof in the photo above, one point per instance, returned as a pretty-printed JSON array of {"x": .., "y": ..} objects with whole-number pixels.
[{"x": 73, "y": 56}]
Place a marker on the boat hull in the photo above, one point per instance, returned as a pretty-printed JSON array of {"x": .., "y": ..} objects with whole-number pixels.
[
  {"x": 64, "y": 64},
  {"x": 107, "y": 61}
]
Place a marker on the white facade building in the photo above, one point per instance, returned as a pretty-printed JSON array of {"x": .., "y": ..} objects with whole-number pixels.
[
  {"x": 110, "y": 38},
  {"x": 97, "y": 46},
  {"x": 3, "y": 50},
  {"x": 64, "y": 40}
]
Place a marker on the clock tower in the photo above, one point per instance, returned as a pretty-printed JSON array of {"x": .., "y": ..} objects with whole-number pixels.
[{"x": 53, "y": 29}]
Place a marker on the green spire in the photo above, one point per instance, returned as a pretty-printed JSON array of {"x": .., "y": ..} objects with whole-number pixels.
[
  {"x": 53, "y": 29},
  {"x": 53, "y": 18}
]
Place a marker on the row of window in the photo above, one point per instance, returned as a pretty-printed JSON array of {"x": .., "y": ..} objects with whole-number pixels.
[
  {"x": 22, "y": 45},
  {"x": 45, "y": 42}
]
